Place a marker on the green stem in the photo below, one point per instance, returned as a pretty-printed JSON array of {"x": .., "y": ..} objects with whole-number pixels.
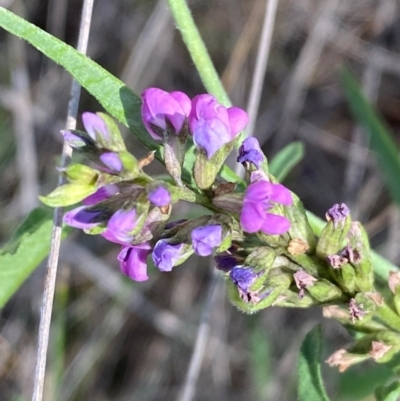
[{"x": 197, "y": 49}]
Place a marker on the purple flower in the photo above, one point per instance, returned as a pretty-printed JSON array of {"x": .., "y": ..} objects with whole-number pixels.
[
  {"x": 160, "y": 108},
  {"x": 133, "y": 261},
  {"x": 258, "y": 199},
  {"x": 250, "y": 151},
  {"x": 213, "y": 125},
  {"x": 95, "y": 126},
  {"x": 77, "y": 139},
  {"x": 112, "y": 161},
  {"x": 166, "y": 255},
  {"x": 225, "y": 261},
  {"x": 83, "y": 218},
  {"x": 204, "y": 239},
  {"x": 243, "y": 277},
  {"x": 120, "y": 227},
  {"x": 338, "y": 212},
  {"x": 159, "y": 196},
  {"x": 101, "y": 194}
]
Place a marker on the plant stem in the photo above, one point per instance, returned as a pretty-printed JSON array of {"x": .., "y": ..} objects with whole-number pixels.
[{"x": 197, "y": 49}]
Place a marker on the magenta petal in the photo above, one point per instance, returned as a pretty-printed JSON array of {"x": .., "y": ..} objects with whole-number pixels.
[
  {"x": 275, "y": 224},
  {"x": 251, "y": 217},
  {"x": 238, "y": 119},
  {"x": 183, "y": 100},
  {"x": 120, "y": 227},
  {"x": 259, "y": 191},
  {"x": 94, "y": 124},
  {"x": 281, "y": 194},
  {"x": 133, "y": 261}
]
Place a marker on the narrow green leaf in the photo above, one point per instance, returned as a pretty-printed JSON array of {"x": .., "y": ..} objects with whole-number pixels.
[
  {"x": 382, "y": 144},
  {"x": 310, "y": 385},
  {"x": 28, "y": 247},
  {"x": 116, "y": 98},
  {"x": 283, "y": 162}
]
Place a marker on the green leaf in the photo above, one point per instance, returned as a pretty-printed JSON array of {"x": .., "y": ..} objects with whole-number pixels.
[
  {"x": 382, "y": 144},
  {"x": 28, "y": 247},
  {"x": 283, "y": 162},
  {"x": 388, "y": 393},
  {"x": 68, "y": 194},
  {"x": 310, "y": 386},
  {"x": 116, "y": 98}
]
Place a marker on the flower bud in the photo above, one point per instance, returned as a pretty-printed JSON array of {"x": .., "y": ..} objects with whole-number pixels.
[
  {"x": 167, "y": 255},
  {"x": 343, "y": 359},
  {"x": 251, "y": 155},
  {"x": 163, "y": 112},
  {"x": 342, "y": 272},
  {"x": 133, "y": 261},
  {"x": 81, "y": 174},
  {"x": 358, "y": 254},
  {"x": 205, "y": 238},
  {"x": 213, "y": 125},
  {"x": 335, "y": 231},
  {"x": 104, "y": 131}
]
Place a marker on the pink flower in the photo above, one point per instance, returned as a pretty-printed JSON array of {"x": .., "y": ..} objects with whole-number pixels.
[
  {"x": 213, "y": 125},
  {"x": 161, "y": 108}
]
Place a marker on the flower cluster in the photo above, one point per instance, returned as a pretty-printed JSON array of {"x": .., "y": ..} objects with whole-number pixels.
[
  {"x": 124, "y": 205},
  {"x": 257, "y": 230}
]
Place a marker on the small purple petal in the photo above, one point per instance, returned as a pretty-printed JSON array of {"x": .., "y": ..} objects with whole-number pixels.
[
  {"x": 183, "y": 101},
  {"x": 94, "y": 126},
  {"x": 112, "y": 161},
  {"x": 159, "y": 196},
  {"x": 166, "y": 255},
  {"x": 101, "y": 194},
  {"x": 243, "y": 277},
  {"x": 82, "y": 218},
  {"x": 250, "y": 151},
  {"x": 338, "y": 212},
  {"x": 120, "y": 227},
  {"x": 204, "y": 239},
  {"x": 133, "y": 261}
]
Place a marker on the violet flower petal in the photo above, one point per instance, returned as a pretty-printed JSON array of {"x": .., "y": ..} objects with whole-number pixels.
[
  {"x": 120, "y": 227},
  {"x": 252, "y": 217},
  {"x": 95, "y": 125},
  {"x": 82, "y": 218},
  {"x": 166, "y": 255},
  {"x": 133, "y": 261},
  {"x": 112, "y": 161},
  {"x": 243, "y": 277},
  {"x": 204, "y": 239},
  {"x": 101, "y": 194},
  {"x": 159, "y": 196}
]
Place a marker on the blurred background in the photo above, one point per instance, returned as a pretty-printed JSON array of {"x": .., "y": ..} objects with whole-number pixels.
[{"x": 113, "y": 339}]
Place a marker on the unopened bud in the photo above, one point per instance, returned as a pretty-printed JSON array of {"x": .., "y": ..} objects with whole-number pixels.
[
  {"x": 81, "y": 174},
  {"x": 68, "y": 194},
  {"x": 334, "y": 233}
]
